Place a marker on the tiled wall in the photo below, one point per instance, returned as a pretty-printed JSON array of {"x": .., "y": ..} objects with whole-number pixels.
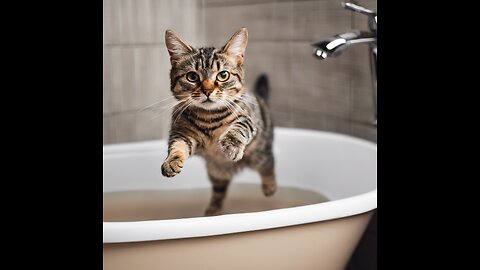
[
  {"x": 332, "y": 95},
  {"x": 136, "y": 64}
]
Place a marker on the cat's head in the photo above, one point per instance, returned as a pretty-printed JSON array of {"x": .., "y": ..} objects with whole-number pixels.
[{"x": 208, "y": 78}]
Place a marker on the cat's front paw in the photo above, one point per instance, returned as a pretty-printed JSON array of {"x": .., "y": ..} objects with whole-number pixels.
[
  {"x": 172, "y": 166},
  {"x": 232, "y": 147}
]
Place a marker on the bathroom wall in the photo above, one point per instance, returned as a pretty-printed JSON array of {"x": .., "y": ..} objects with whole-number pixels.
[
  {"x": 136, "y": 64},
  {"x": 332, "y": 95}
]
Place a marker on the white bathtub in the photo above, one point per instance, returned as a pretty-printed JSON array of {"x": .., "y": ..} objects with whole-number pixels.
[{"x": 317, "y": 236}]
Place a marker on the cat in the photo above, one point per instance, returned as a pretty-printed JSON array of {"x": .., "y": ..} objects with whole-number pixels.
[{"x": 215, "y": 117}]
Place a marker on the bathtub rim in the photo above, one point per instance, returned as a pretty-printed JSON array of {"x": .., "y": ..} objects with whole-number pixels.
[
  {"x": 141, "y": 146},
  {"x": 138, "y": 231}
]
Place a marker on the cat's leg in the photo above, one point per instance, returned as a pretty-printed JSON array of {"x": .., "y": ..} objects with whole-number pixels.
[
  {"x": 269, "y": 184},
  {"x": 219, "y": 191},
  {"x": 179, "y": 150},
  {"x": 232, "y": 145},
  {"x": 234, "y": 141},
  {"x": 220, "y": 179},
  {"x": 266, "y": 168}
]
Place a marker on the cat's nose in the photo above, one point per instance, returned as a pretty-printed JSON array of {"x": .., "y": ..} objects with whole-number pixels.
[
  {"x": 207, "y": 92},
  {"x": 207, "y": 88}
]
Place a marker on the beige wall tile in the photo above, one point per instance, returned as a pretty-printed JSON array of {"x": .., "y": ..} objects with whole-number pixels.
[
  {"x": 282, "y": 118},
  {"x": 361, "y": 85},
  {"x": 218, "y": 3},
  {"x": 316, "y": 100},
  {"x": 281, "y": 99},
  {"x": 363, "y": 109},
  {"x": 308, "y": 70},
  {"x": 108, "y": 130},
  {"x": 111, "y": 24},
  {"x": 135, "y": 126},
  {"x": 113, "y": 83},
  {"x": 337, "y": 125},
  {"x": 270, "y": 58},
  {"x": 315, "y": 20},
  {"x": 135, "y": 77},
  {"x": 145, "y": 21},
  {"x": 266, "y": 21},
  {"x": 318, "y": 121},
  {"x": 151, "y": 78},
  {"x": 181, "y": 16},
  {"x": 119, "y": 128},
  {"x": 118, "y": 25},
  {"x": 307, "y": 119},
  {"x": 319, "y": 86},
  {"x": 367, "y": 132}
]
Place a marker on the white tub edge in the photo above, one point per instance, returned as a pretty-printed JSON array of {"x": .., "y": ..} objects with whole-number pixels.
[{"x": 116, "y": 232}]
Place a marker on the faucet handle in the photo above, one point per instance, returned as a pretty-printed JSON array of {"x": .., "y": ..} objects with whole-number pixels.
[
  {"x": 358, "y": 9},
  {"x": 372, "y": 16}
]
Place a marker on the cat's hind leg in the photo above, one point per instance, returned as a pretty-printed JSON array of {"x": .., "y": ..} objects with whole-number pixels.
[
  {"x": 269, "y": 183},
  {"x": 220, "y": 180},
  {"x": 219, "y": 192},
  {"x": 267, "y": 173}
]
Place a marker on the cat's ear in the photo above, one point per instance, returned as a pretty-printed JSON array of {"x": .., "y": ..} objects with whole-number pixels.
[
  {"x": 176, "y": 46},
  {"x": 237, "y": 44}
]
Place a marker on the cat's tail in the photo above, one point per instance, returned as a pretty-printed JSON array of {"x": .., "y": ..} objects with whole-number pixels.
[{"x": 261, "y": 87}]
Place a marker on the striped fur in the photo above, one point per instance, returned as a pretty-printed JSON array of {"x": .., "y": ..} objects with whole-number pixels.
[{"x": 216, "y": 118}]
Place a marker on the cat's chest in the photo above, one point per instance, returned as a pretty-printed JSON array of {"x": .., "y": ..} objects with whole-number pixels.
[{"x": 211, "y": 141}]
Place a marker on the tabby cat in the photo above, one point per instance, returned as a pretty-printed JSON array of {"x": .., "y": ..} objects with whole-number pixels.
[{"x": 215, "y": 117}]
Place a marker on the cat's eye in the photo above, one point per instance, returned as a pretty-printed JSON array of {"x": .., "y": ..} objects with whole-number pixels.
[
  {"x": 192, "y": 76},
  {"x": 223, "y": 76}
]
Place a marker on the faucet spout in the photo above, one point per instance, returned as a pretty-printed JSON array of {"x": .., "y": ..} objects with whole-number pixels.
[{"x": 335, "y": 45}]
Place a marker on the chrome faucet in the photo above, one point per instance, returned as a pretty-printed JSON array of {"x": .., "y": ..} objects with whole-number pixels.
[{"x": 334, "y": 46}]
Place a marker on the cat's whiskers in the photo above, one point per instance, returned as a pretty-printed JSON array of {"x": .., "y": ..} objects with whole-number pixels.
[
  {"x": 229, "y": 105},
  {"x": 159, "y": 111},
  {"x": 229, "y": 108},
  {"x": 235, "y": 108},
  {"x": 180, "y": 106},
  {"x": 189, "y": 101},
  {"x": 254, "y": 103},
  {"x": 165, "y": 106},
  {"x": 171, "y": 105},
  {"x": 244, "y": 113},
  {"x": 249, "y": 97},
  {"x": 155, "y": 104}
]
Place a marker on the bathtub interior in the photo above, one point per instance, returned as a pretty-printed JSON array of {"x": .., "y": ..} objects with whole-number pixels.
[{"x": 334, "y": 165}]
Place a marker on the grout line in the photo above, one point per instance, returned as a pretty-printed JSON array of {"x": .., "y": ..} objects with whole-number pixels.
[
  {"x": 134, "y": 44},
  {"x": 350, "y": 105},
  {"x": 260, "y": 2},
  {"x": 132, "y": 111},
  {"x": 279, "y": 40},
  {"x": 364, "y": 123}
]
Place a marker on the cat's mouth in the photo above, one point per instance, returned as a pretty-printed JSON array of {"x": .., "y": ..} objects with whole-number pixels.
[
  {"x": 208, "y": 100},
  {"x": 209, "y": 103}
]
